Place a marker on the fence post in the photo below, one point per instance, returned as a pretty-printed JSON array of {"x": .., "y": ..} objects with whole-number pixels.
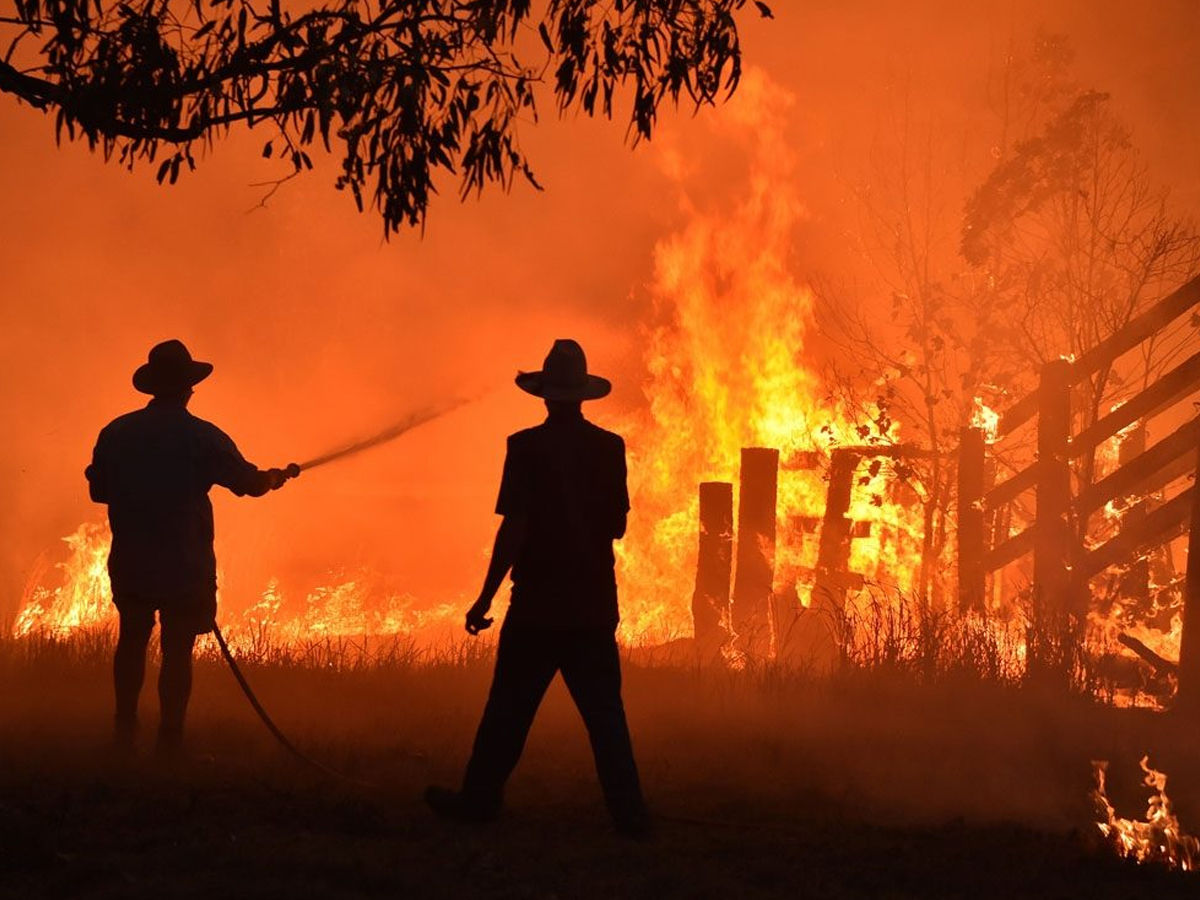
[
  {"x": 1051, "y": 640},
  {"x": 833, "y": 551},
  {"x": 972, "y": 579},
  {"x": 1135, "y": 582},
  {"x": 755, "y": 574},
  {"x": 714, "y": 563},
  {"x": 1189, "y": 644}
]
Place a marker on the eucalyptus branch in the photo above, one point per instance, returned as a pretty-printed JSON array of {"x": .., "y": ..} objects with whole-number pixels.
[{"x": 409, "y": 89}]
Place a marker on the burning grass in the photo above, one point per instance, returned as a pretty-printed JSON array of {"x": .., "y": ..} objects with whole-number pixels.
[
  {"x": 1160, "y": 839},
  {"x": 352, "y": 623}
]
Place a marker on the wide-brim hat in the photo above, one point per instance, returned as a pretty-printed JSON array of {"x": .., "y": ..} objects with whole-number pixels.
[
  {"x": 169, "y": 368},
  {"x": 564, "y": 376}
]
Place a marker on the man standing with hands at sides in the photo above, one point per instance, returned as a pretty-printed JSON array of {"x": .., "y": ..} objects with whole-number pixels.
[
  {"x": 153, "y": 468},
  {"x": 564, "y": 501}
]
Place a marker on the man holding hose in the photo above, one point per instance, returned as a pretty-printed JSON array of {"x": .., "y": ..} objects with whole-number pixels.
[
  {"x": 564, "y": 501},
  {"x": 154, "y": 468}
]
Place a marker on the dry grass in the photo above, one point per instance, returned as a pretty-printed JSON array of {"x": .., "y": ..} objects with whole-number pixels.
[{"x": 918, "y": 768}]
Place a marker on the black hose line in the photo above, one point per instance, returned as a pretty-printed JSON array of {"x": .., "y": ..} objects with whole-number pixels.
[{"x": 282, "y": 738}]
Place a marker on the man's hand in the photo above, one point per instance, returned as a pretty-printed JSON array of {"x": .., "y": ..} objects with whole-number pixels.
[
  {"x": 477, "y": 617},
  {"x": 279, "y": 477}
]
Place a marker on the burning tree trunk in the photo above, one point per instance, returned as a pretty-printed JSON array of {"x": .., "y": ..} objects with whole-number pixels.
[
  {"x": 714, "y": 563},
  {"x": 755, "y": 547}
]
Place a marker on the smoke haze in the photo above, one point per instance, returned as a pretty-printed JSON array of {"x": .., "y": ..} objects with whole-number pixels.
[{"x": 322, "y": 333}]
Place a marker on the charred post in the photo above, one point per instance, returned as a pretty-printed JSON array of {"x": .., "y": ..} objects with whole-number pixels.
[
  {"x": 833, "y": 552},
  {"x": 1189, "y": 645},
  {"x": 714, "y": 565},
  {"x": 972, "y": 541},
  {"x": 1052, "y": 556},
  {"x": 755, "y": 547}
]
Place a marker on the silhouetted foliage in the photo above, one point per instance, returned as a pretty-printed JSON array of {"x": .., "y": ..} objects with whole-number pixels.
[
  {"x": 1044, "y": 167},
  {"x": 1075, "y": 238},
  {"x": 401, "y": 88}
]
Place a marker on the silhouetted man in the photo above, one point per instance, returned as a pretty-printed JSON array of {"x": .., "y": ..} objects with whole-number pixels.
[
  {"x": 563, "y": 500},
  {"x": 154, "y": 468}
]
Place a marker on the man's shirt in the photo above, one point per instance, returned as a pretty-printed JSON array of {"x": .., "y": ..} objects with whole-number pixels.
[
  {"x": 566, "y": 478},
  {"x": 154, "y": 468}
]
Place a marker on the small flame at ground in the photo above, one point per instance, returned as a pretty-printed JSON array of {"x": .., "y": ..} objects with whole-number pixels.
[
  {"x": 1160, "y": 839},
  {"x": 83, "y": 600},
  {"x": 350, "y": 608}
]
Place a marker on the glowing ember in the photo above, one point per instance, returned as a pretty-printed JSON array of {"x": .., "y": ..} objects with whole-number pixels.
[{"x": 1159, "y": 839}]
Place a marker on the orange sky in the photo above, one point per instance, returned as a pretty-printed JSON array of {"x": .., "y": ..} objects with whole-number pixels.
[{"x": 321, "y": 332}]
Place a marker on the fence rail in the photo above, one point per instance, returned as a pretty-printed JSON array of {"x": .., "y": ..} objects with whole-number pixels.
[{"x": 1062, "y": 565}]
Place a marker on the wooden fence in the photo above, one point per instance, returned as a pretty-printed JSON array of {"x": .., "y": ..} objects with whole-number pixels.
[{"x": 1062, "y": 562}]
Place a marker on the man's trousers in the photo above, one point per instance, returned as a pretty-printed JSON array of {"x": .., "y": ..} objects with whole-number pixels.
[{"x": 526, "y": 662}]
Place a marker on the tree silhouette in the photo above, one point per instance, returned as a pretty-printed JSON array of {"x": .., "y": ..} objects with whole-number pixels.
[{"x": 401, "y": 88}]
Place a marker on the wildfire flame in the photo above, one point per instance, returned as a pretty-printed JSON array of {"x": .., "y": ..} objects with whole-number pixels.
[
  {"x": 83, "y": 600},
  {"x": 350, "y": 608},
  {"x": 985, "y": 419},
  {"x": 1160, "y": 838},
  {"x": 729, "y": 367}
]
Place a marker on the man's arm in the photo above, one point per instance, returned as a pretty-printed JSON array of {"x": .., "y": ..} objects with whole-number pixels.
[
  {"x": 256, "y": 482},
  {"x": 513, "y": 505},
  {"x": 97, "y": 475},
  {"x": 510, "y": 537},
  {"x": 231, "y": 470}
]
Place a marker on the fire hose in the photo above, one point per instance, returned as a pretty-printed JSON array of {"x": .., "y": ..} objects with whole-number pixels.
[
  {"x": 279, "y": 736},
  {"x": 390, "y": 433}
]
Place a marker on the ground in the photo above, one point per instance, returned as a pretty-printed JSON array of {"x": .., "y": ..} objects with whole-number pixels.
[{"x": 764, "y": 785}]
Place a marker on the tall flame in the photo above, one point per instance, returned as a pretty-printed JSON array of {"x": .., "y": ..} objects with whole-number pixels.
[{"x": 730, "y": 366}]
